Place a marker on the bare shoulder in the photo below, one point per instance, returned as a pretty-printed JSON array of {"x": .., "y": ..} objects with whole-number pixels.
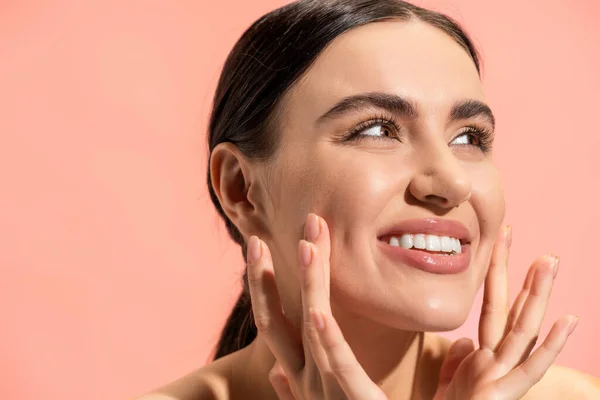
[
  {"x": 211, "y": 382},
  {"x": 563, "y": 383}
]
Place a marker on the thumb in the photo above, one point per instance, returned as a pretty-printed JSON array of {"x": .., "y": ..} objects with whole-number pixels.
[{"x": 458, "y": 351}]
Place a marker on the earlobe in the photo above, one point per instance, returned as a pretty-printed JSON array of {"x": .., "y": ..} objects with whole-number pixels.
[{"x": 232, "y": 179}]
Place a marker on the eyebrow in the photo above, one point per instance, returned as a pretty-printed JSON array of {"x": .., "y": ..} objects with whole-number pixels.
[
  {"x": 397, "y": 105},
  {"x": 468, "y": 109},
  {"x": 390, "y": 102}
]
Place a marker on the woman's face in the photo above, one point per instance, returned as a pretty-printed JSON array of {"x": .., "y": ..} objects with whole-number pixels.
[{"x": 420, "y": 150}]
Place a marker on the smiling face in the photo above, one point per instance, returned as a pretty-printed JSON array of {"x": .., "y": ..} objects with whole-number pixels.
[{"x": 388, "y": 125}]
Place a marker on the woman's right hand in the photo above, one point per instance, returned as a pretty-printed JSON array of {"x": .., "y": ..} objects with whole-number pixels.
[{"x": 323, "y": 366}]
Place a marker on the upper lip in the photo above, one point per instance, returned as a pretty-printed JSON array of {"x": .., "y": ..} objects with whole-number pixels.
[{"x": 433, "y": 226}]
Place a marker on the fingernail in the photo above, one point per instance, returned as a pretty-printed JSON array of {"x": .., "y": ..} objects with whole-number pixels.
[
  {"x": 312, "y": 228},
  {"x": 318, "y": 319},
  {"x": 305, "y": 253},
  {"x": 254, "y": 249},
  {"x": 573, "y": 323},
  {"x": 556, "y": 261},
  {"x": 509, "y": 235}
]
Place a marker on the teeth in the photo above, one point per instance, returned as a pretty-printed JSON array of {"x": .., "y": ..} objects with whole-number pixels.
[
  {"x": 407, "y": 241},
  {"x": 456, "y": 246},
  {"x": 419, "y": 241},
  {"x": 432, "y": 243},
  {"x": 445, "y": 244}
]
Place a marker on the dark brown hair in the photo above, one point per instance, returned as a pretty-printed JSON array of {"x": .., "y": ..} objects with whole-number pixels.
[{"x": 264, "y": 63}]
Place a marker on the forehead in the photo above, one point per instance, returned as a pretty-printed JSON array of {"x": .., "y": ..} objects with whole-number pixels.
[{"x": 412, "y": 59}]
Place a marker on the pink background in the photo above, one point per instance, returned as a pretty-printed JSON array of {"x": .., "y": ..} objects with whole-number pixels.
[{"x": 116, "y": 274}]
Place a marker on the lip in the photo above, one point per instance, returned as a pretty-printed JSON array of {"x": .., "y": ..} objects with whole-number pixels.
[
  {"x": 424, "y": 260},
  {"x": 429, "y": 262},
  {"x": 433, "y": 226}
]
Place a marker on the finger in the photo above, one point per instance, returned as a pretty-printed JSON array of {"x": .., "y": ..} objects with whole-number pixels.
[
  {"x": 516, "y": 383},
  {"x": 280, "y": 382},
  {"x": 532, "y": 343},
  {"x": 520, "y": 300},
  {"x": 316, "y": 231},
  {"x": 456, "y": 354},
  {"x": 494, "y": 310},
  {"x": 313, "y": 292},
  {"x": 350, "y": 375},
  {"x": 266, "y": 307},
  {"x": 515, "y": 311},
  {"x": 521, "y": 339}
]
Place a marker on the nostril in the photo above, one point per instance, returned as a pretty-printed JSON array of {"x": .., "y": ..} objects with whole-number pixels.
[{"x": 434, "y": 198}]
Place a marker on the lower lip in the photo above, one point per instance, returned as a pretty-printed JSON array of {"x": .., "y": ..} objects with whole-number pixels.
[{"x": 429, "y": 262}]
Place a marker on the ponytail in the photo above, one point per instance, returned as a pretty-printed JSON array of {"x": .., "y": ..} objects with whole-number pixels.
[{"x": 239, "y": 330}]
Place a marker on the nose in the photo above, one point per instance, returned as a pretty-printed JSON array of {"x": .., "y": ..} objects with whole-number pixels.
[{"x": 440, "y": 179}]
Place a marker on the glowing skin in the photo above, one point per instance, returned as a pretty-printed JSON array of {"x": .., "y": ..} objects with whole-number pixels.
[
  {"x": 432, "y": 166},
  {"x": 359, "y": 187}
]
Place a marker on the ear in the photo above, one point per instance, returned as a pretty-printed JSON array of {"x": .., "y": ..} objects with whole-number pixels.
[{"x": 238, "y": 187}]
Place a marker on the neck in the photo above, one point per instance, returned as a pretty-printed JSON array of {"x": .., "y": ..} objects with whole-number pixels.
[
  {"x": 400, "y": 362},
  {"x": 389, "y": 356}
]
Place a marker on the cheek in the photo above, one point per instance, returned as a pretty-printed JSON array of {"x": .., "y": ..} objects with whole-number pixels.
[
  {"x": 358, "y": 188},
  {"x": 488, "y": 203},
  {"x": 488, "y": 200},
  {"x": 349, "y": 189},
  {"x": 359, "y": 191},
  {"x": 357, "y": 194}
]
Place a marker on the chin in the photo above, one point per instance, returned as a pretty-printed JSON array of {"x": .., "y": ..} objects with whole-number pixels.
[
  {"x": 439, "y": 315},
  {"x": 442, "y": 323},
  {"x": 433, "y": 315},
  {"x": 442, "y": 317}
]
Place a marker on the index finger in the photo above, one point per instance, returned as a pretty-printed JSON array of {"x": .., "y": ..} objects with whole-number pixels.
[
  {"x": 321, "y": 238},
  {"x": 266, "y": 307},
  {"x": 494, "y": 310}
]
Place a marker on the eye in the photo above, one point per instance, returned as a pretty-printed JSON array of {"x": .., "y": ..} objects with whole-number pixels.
[
  {"x": 481, "y": 138},
  {"x": 466, "y": 138},
  {"x": 380, "y": 128}
]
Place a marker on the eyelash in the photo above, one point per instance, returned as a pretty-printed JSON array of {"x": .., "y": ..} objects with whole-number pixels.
[
  {"x": 482, "y": 134},
  {"x": 354, "y": 135}
]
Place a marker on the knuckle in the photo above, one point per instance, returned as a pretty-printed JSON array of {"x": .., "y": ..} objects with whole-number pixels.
[
  {"x": 342, "y": 369},
  {"x": 552, "y": 347},
  {"x": 264, "y": 324},
  {"x": 272, "y": 374},
  {"x": 275, "y": 377},
  {"x": 519, "y": 330},
  {"x": 310, "y": 331},
  {"x": 489, "y": 308},
  {"x": 254, "y": 278},
  {"x": 532, "y": 374}
]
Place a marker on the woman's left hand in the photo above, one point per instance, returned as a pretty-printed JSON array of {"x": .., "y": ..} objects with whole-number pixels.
[{"x": 503, "y": 368}]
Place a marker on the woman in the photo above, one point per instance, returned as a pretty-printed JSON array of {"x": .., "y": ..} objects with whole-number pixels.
[{"x": 351, "y": 160}]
